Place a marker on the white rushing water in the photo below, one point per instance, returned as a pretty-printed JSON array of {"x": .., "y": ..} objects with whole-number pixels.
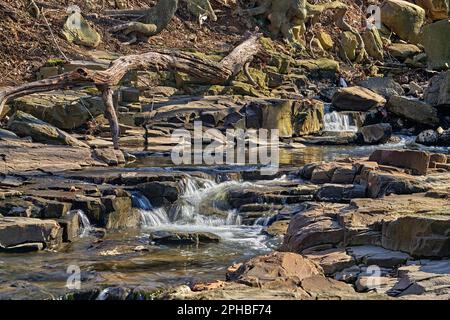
[
  {"x": 187, "y": 210},
  {"x": 150, "y": 216},
  {"x": 338, "y": 122},
  {"x": 85, "y": 224},
  {"x": 191, "y": 213}
]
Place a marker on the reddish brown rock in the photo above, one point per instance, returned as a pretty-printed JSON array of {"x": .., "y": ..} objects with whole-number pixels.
[
  {"x": 417, "y": 161},
  {"x": 275, "y": 270}
]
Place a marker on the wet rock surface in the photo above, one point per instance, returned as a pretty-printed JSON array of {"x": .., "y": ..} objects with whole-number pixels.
[{"x": 372, "y": 226}]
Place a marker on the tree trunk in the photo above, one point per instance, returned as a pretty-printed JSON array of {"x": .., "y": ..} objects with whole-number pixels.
[{"x": 210, "y": 71}]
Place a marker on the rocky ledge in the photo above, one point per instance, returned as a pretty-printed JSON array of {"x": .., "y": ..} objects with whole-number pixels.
[{"x": 366, "y": 228}]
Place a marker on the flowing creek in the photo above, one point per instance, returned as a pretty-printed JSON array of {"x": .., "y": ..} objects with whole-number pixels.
[{"x": 127, "y": 258}]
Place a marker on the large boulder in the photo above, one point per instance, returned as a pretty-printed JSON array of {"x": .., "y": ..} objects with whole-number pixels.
[
  {"x": 373, "y": 43},
  {"x": 271, "y": 114},
  {"x": 435, "y": 41},
  {"x": 403, "y": 51},
  {"x": 275, "y": 270},
  {"x": 403, "y": 18},
  {"x": 66, "y": 110},
  {"x": 435, "y": 9},
  {"x": 438, "y": 90},
  {"x": 419, "y": 235},
  {"x": 25, "y": 125},
  {"x": 385, "y": 86},
  {"x": 415, "y": 110},
  {"x": 417, "y": 161},
  {"x": 15, "y": 231},
  {"x": 356, "y": 99},
  {"x": 308, "y": 117},
  {"x": 381, "y": 183},
  {"x": 77, "y": 30},
  {"x": 376, "y": 133},
  {"x": 314, "y": 227}
]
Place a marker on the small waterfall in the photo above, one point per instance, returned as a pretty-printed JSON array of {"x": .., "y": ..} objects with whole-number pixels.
[
  {"x": 263, "y": 221},
  {"x": 86, "y": 226},
  {"x": 103, "y": 295},
  {"x": 233, "y": 218},
  {"x": 150, "y": 216},
  {"x": 338, "y": 122},
  {"x": 188, "y": 208}
]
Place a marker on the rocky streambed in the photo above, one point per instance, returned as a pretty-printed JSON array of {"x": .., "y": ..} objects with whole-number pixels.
[{"x": 365, "y": 227}]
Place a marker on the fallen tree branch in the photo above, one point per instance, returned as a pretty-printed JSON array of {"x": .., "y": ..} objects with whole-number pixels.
[{"x": 207, "y": 70}]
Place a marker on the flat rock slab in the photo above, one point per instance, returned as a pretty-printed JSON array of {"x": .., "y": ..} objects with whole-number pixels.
[
  {"x": 373, "y": 255},
  {"x": 176, "y": 237},
  {"x": 417, "y": 161},
  {"x": 15, "y": 231},
  {"x": 332, "y": 260},
  {"x": 425, "y": 279},
  {"x": 26, "y": 156}
]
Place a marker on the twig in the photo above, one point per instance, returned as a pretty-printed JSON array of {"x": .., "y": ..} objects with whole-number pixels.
[{"x": 51, "y": 32}]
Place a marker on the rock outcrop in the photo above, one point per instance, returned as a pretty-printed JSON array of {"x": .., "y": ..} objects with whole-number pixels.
[{"x": 26, "y": 125}]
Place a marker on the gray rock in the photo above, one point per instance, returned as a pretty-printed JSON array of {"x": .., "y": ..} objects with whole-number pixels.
[
  {"x": 412, "y": 109},
  {"x": 384, "y": 86},
  {"x": 340, "y": 193},
  {"x": 356, "y": 99},
  {"x": 24, "y": 124},
  {"x": 66, "y": 110},
  {"x": 77, "y": 30},
  {"x": 424, "y": 279},
  {"x": 438, "y": 90},
  {"x": 435, "y": 42},
  {"x": 373, "y": 255},
  {"x": 376, "y": 133},
  {"x": 428, "y": 138},
  {"x": 18, "y": 231},
  {"x": 5, "y": 135}
]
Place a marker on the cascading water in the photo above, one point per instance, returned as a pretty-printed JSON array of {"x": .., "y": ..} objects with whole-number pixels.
[
  {"x": 150, "y": 217},
  {"x": 263, "y": 221},
  {"x": 195, "y": 212},
  {"x": 86, "y": 226},
  {"x": 338, "y": 122}
]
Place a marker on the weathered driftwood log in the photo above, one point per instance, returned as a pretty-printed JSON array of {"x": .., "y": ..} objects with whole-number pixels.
[{"x": 207, "y": 70}]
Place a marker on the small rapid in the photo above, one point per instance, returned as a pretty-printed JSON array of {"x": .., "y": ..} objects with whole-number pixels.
[{"x": 196, "y": 211}]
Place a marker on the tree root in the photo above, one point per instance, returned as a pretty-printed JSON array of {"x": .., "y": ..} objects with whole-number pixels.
[
  {"x": 288, "y": 17},
  {"x": 149, "y": 21}
]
